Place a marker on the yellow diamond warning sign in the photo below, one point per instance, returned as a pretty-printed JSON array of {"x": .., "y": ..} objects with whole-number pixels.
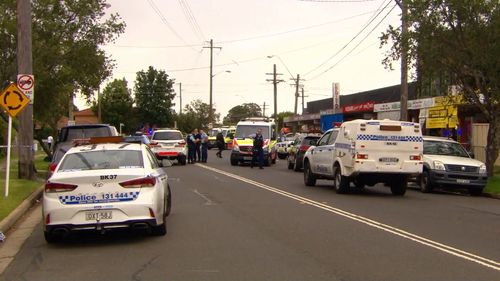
[{"x": 13, "y": 100}]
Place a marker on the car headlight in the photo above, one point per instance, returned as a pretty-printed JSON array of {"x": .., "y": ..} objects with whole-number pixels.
[
  {"x": 236, "y": 148},
  {"x": 483, "y": 170},
  {"x": 438, "y": 165}
]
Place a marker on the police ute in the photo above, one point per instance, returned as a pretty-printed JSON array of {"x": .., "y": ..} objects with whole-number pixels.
[
  {"x": 366, "y": 152},
  {"x": 106, "y": 185}
]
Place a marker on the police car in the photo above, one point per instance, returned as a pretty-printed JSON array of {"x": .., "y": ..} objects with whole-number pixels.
[{"x": 104, "y": 186}]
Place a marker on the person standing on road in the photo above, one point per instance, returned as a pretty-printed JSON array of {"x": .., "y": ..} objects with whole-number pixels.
[
  {"x": 197, "y": 142},
  {"x": 191, "y": 147},
  {"x": 258, "y": 151},
  {"x": 220, "y": 143},
  {"x": 204, "y": 146}
]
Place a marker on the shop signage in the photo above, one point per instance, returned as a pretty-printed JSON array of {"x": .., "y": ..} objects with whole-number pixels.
[
  {"x": 391, "y": 106},
  {"x": 360, "y": 107}
]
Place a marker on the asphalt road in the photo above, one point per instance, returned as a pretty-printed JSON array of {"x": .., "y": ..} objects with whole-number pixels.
[{"x": 237, "y": 223}]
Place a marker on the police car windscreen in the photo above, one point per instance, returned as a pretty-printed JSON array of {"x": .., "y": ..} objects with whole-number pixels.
[
  {"x": 444, "y": 148},
  {"x": 103, "y": 159},
  {"x": 249, "y": 131},
  {"x": 167, "y": 136}
]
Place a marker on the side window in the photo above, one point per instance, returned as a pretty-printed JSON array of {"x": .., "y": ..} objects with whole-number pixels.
[
  {"x": 152, "y": 159},
  {"x": 333, "y": 137},
  {"x": 324, "y": 139}
]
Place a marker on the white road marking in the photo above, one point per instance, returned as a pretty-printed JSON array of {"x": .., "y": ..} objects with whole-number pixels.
[
  {"x": 384, "y": 227},
  {"x": 208, "y": 202}
]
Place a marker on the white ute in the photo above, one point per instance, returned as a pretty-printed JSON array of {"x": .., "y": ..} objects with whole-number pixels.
[{"x": 366, "y": 152}]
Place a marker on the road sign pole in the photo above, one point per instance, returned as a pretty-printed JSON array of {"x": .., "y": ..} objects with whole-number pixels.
[{"x": 7, "y": 169}]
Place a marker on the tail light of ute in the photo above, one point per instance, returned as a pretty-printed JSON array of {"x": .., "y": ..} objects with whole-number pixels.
[
  {"x": 181, "y": 144},
  {"x": 361, "y": 156},
  {"x": 138, "y": 183},
  {"x": 59, "y": 187},
  {"x": 304, "y": 148},
  {"x": 52, "y": 167},
  {"x": 415, "y": 157}
]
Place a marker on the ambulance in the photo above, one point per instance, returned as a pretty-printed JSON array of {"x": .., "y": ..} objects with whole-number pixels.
[
  {"x": 242, "y": 144},
  {"x": 366, "y": 152}
]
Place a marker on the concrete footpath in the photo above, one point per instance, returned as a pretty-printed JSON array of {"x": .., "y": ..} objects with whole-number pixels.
[{"x": 18, "y": 226}]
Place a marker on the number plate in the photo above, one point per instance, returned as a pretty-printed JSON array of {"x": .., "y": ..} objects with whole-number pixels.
[
  {"x": 98, "y": 215},
  {"x": 388, "y": 159},
  {"x": 247, "y": 158},
  {"x": 463, "y": 181}
]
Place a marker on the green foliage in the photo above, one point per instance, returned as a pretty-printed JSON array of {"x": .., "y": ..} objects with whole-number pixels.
[
  {"x": 67, "y": 57},
  {"x": 493, "y": 185},
  {"x": 239, "y": 112},
  {"x": 117, "y": 105},
  {"x": 281, "y": 117},
  {"x": 153, "y": 97},
  {"x": 456, "y": 42},
  {"x": 195, "y": 115}
]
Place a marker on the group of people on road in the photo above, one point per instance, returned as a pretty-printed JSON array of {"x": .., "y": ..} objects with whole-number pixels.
[{"x": 197, "y": 146}]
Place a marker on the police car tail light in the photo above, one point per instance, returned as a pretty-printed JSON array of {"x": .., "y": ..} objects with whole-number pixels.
[
  {"x": 138, "y": 183},
  {"x": 415, "y": 157},
  {"x": 151, "y": 213},
  {"x": 47, "y": 219},
  {"x": 180, "y": 144},
  {"x": 361, "y": 156},
  {"x": 59, "y": 187}
]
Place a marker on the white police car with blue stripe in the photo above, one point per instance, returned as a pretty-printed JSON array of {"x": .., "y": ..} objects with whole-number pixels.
[{"x": 104, "y": 186}]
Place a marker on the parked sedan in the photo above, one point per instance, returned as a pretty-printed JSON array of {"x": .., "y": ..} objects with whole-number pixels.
[
  {"x": 106, "y": 186},
  {"x": 298, "y": 149},
  {"x": 169, "y": 144}
]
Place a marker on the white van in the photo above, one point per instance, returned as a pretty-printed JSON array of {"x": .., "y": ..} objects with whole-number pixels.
[{"x": 366, "y": 152}]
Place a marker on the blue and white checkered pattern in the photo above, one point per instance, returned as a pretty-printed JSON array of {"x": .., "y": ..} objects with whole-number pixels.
[
  {"x": 390, "y": 138},
  {"x": 96, "y": 199}
]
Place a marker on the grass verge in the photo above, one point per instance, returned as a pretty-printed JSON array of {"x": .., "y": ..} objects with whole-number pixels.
[
  {"x": 19, "y": 189},
  {"x": 493, "y": 185}
]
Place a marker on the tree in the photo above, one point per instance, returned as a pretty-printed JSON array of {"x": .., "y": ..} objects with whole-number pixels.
[
  {"x": 195, "y": 115},
  {"x": 281, "y": 117},
  {"x": 239, "y": 112},
  {"x": 67, "y": 55},
  {"x": 153, "y": 97},
  {"x": 457, "y": 42},
  {"x": 117, "y": 105}
]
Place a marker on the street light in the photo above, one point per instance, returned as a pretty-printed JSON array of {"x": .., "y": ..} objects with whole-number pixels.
[{"x": 210, "y": 121}]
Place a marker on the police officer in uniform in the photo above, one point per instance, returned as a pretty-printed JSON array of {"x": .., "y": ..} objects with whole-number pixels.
[
  {"x": 258, "y": 151},
  {"x": 191, "y": 147}
]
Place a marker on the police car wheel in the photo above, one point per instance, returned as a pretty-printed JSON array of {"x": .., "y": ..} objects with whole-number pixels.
[
  {"x": 340, "y": 182},
  {"x": 290, "y": 165},
  {"x": 51, "y": 237},
  {"x": 182, "y": 160},
  {"x": 399, "y": 185},
  {"x": 309, "y": 177},
  {"x": 296, "y": 165},
  {"x": 169, "y": 202},
  {"x": 161, "y": 230}
]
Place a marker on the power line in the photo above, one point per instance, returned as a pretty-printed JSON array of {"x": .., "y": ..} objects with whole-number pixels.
[
  {"x": 352, "y": 50},
  {"x": 352, "y": 39},
  {"x": 164, "y": 20},
  {"x": 186, "y": 9},
  {"x": 337, "y": 1}
]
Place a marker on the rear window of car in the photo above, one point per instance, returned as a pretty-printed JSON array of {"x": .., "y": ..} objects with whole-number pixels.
[
  {"x": 101, "y": 160},
  {"x": 71, "y": 133},
  {"x": 167, "y": 136}
]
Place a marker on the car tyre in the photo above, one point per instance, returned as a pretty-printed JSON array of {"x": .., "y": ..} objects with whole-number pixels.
[
  {"x": 234, "y": 161},
  {"x": 182, "y": 160},
  {"x": 340, "y": 182},
  {"x": 161, "y": 230},
  {"x": 309, "y": 177},
  {"x": 51, "y": 238},
  {"x": 399, "y": 185},
  {"x": 475, "y": 191},
  {"x": 425, "y": 182},
  {"x": 169, "y": 201},
  {"x": 296, "y": 165}
]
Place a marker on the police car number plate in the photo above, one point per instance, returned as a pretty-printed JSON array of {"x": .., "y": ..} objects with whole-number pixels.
[
  {"x": 463, "y": 181},
  {"x": 98, "y": 215},
  {"x": 389, "y": 159}
]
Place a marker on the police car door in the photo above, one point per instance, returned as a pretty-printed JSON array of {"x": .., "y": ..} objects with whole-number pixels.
[
  {"x": 330, "y": 152},
  {"x": 319, "y": 155}
]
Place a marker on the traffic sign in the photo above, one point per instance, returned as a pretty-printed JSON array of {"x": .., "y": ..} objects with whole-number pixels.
[
  {"x": 13, "y": 100},
  {"x": 26, "y": 83}
]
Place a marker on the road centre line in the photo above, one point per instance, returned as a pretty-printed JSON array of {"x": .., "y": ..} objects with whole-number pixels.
[{"x": 387, "y": 228}]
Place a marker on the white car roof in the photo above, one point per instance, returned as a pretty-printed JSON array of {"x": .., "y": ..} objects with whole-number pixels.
[
  {"x": 166, "y": 130},
  {"x": 105, "y": 146},
  {"x": 433, "y": 138}
]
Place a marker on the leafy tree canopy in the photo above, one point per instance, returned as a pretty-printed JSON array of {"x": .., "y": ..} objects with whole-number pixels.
[
  {"x": 153, "y": 97},
  {"x": 239, "y": 112},
  {"x": 195, "y": 115},
  {"x": 117, "y": 105}
]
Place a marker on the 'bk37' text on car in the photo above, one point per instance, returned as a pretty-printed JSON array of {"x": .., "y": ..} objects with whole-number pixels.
[{"x": 105, "y": 186}]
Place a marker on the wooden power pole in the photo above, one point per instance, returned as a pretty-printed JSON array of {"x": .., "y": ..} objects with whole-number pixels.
[
  {"x": 275, "y": 83},
  {"x": 211, "y": 47},
  {"x": 404, "y": 60},
  {"x": 25, "y": 66},
  {"x": 180, "y": 98}
]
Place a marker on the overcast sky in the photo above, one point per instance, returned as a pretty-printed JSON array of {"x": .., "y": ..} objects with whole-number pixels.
[{"x": 324, "y": 41}]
